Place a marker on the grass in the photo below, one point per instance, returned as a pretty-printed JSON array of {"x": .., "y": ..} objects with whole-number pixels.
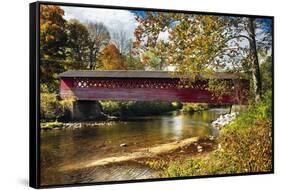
[
  {"x": 50, "y": 125},
  {"x": 245, "y": 146},
  {"x": 193, "y": 107}
]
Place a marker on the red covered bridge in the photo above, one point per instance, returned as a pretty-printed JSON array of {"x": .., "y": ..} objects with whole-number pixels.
[{"x": 150, "y": 86}]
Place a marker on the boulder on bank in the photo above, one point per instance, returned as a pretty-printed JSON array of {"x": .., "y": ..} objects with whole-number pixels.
[
  {"x": 224, "y": 120},
  {"x": 199, "y": 148}
]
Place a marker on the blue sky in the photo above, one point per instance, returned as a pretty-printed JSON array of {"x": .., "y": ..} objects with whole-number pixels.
[
  {"x": 266, "y": 24},
  {"x": 139, "y": 13}
]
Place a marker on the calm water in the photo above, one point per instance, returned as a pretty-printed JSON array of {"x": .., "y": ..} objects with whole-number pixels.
[{"x": 60, "y": 148}]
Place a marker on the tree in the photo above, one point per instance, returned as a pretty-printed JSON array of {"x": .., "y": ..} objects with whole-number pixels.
[
  {"x": 110, "y": 58},
  {"x": 99, "y": 37},
  {"x": 206, "y": 43},
  {"x": 262, "y": 27},
  {"x": 150, "y": 59},
  {"x": 121, "y": 41},
  {"x": 125, "y": 46},
  {"x": 149, "y": 28},
  {"x": 132, "y": 62},
  {"x": 78, "y": 44},
  {"x": 52, "y": 45},
  {"x": 194, "y": 40},
  {"x": 266, "y": 74},
  {"x": 157, "y": 57}
]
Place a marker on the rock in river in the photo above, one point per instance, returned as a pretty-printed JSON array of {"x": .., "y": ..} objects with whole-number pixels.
[
  {"x": 123, "y": 145},
  {"x": 224, "y": 120}
]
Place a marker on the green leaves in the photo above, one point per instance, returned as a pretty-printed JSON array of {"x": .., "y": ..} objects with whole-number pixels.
[{"x": 78, "y": 44}]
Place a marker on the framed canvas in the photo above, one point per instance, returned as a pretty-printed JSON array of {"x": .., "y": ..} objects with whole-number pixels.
[{"x": 125, "y": 94}]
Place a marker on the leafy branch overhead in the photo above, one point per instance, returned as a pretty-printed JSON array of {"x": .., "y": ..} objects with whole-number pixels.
[{"x": 204, "y": 43}]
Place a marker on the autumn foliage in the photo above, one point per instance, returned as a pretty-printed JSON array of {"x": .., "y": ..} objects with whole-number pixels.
[
  {"x": 52, "y": 44},
  {"x": 110, "y": 58}
]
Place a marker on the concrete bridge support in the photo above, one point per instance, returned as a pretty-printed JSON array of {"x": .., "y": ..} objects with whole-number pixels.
[{"x": 86, "y": 110}]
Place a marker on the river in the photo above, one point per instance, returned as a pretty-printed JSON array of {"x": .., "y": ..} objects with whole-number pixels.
[{"x": 65, "y": 154}]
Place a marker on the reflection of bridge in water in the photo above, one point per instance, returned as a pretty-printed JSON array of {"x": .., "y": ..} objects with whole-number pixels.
[{"x": 150, "y": 86}]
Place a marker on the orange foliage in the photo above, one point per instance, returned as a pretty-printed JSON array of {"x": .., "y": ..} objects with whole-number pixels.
[
  {"x": 110, "y": 58},
  {"x": 51, "y": 23}
]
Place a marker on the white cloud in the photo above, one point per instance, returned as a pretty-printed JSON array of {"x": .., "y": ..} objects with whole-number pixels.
[
  {"x": 164, "y": 36},
  {"x": 113, "y": 19}
]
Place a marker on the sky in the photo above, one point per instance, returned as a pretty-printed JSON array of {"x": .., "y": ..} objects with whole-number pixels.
[
  {"x": 116, "y": 20},
  {"x": 113, "y": 19}
]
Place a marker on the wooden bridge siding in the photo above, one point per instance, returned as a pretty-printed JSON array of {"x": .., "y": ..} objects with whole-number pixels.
[
  {"x": 234, "y": 96},
  {"x": 183, "y": 95}
]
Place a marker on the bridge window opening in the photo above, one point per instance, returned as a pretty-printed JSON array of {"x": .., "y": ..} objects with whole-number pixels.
[{"x": 131, "y": 86}]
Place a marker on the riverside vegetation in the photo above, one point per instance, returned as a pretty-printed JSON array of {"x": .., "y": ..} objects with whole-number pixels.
[
  {"x": 54, "y": 112},
  {"x": 138, "y": 108},
  {"x": 244, "y": 146}
]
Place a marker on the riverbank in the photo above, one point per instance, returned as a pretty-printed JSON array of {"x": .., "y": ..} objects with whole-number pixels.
[
  {"x": 56, "y": 125},
  {"x": 200, "y": 148},
  {"x": 164, "y": 152},
  {"x": 134, "y": 169},
  {"x": 244, "y": 146},
  {"x": 123, "y": 111},
  {"x": 58, "y": 114}
]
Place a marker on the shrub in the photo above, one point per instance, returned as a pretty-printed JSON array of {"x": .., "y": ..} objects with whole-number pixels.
[
  {"x": 51, "y": 108},
  {"x": 246, "y": 146},
  {"x": 192, "y": 107},
  {"x": 51, "y": 125}
]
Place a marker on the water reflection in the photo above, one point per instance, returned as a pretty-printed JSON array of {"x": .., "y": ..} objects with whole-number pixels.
[{"x": 64, "y": 147}]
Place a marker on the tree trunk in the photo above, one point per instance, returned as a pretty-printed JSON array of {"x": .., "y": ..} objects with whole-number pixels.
[
  {"x": 91, "y": 59},
  {"x": 255, "y": 61},
  {"x": 230, "y": 109},
  {"x": 95, "y": 59}
]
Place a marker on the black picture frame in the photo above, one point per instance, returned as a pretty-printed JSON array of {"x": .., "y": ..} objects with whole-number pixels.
[{"x": 34, "y": 92}]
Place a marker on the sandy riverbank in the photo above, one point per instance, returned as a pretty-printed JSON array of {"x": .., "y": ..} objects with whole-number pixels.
[{"x": 138, "y": 154}]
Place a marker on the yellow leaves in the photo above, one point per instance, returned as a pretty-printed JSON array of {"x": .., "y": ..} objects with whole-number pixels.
[
  {"x": 51, "y": 17},
  {"x": 50, "y": 37},
  {"x": 50, "y": 9},
  {"x": 110, "y": 58},
  {"x": 51, "y": 25}
]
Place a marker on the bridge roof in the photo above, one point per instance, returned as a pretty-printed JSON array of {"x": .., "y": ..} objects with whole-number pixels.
[{"x": 137, "y": 74}]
